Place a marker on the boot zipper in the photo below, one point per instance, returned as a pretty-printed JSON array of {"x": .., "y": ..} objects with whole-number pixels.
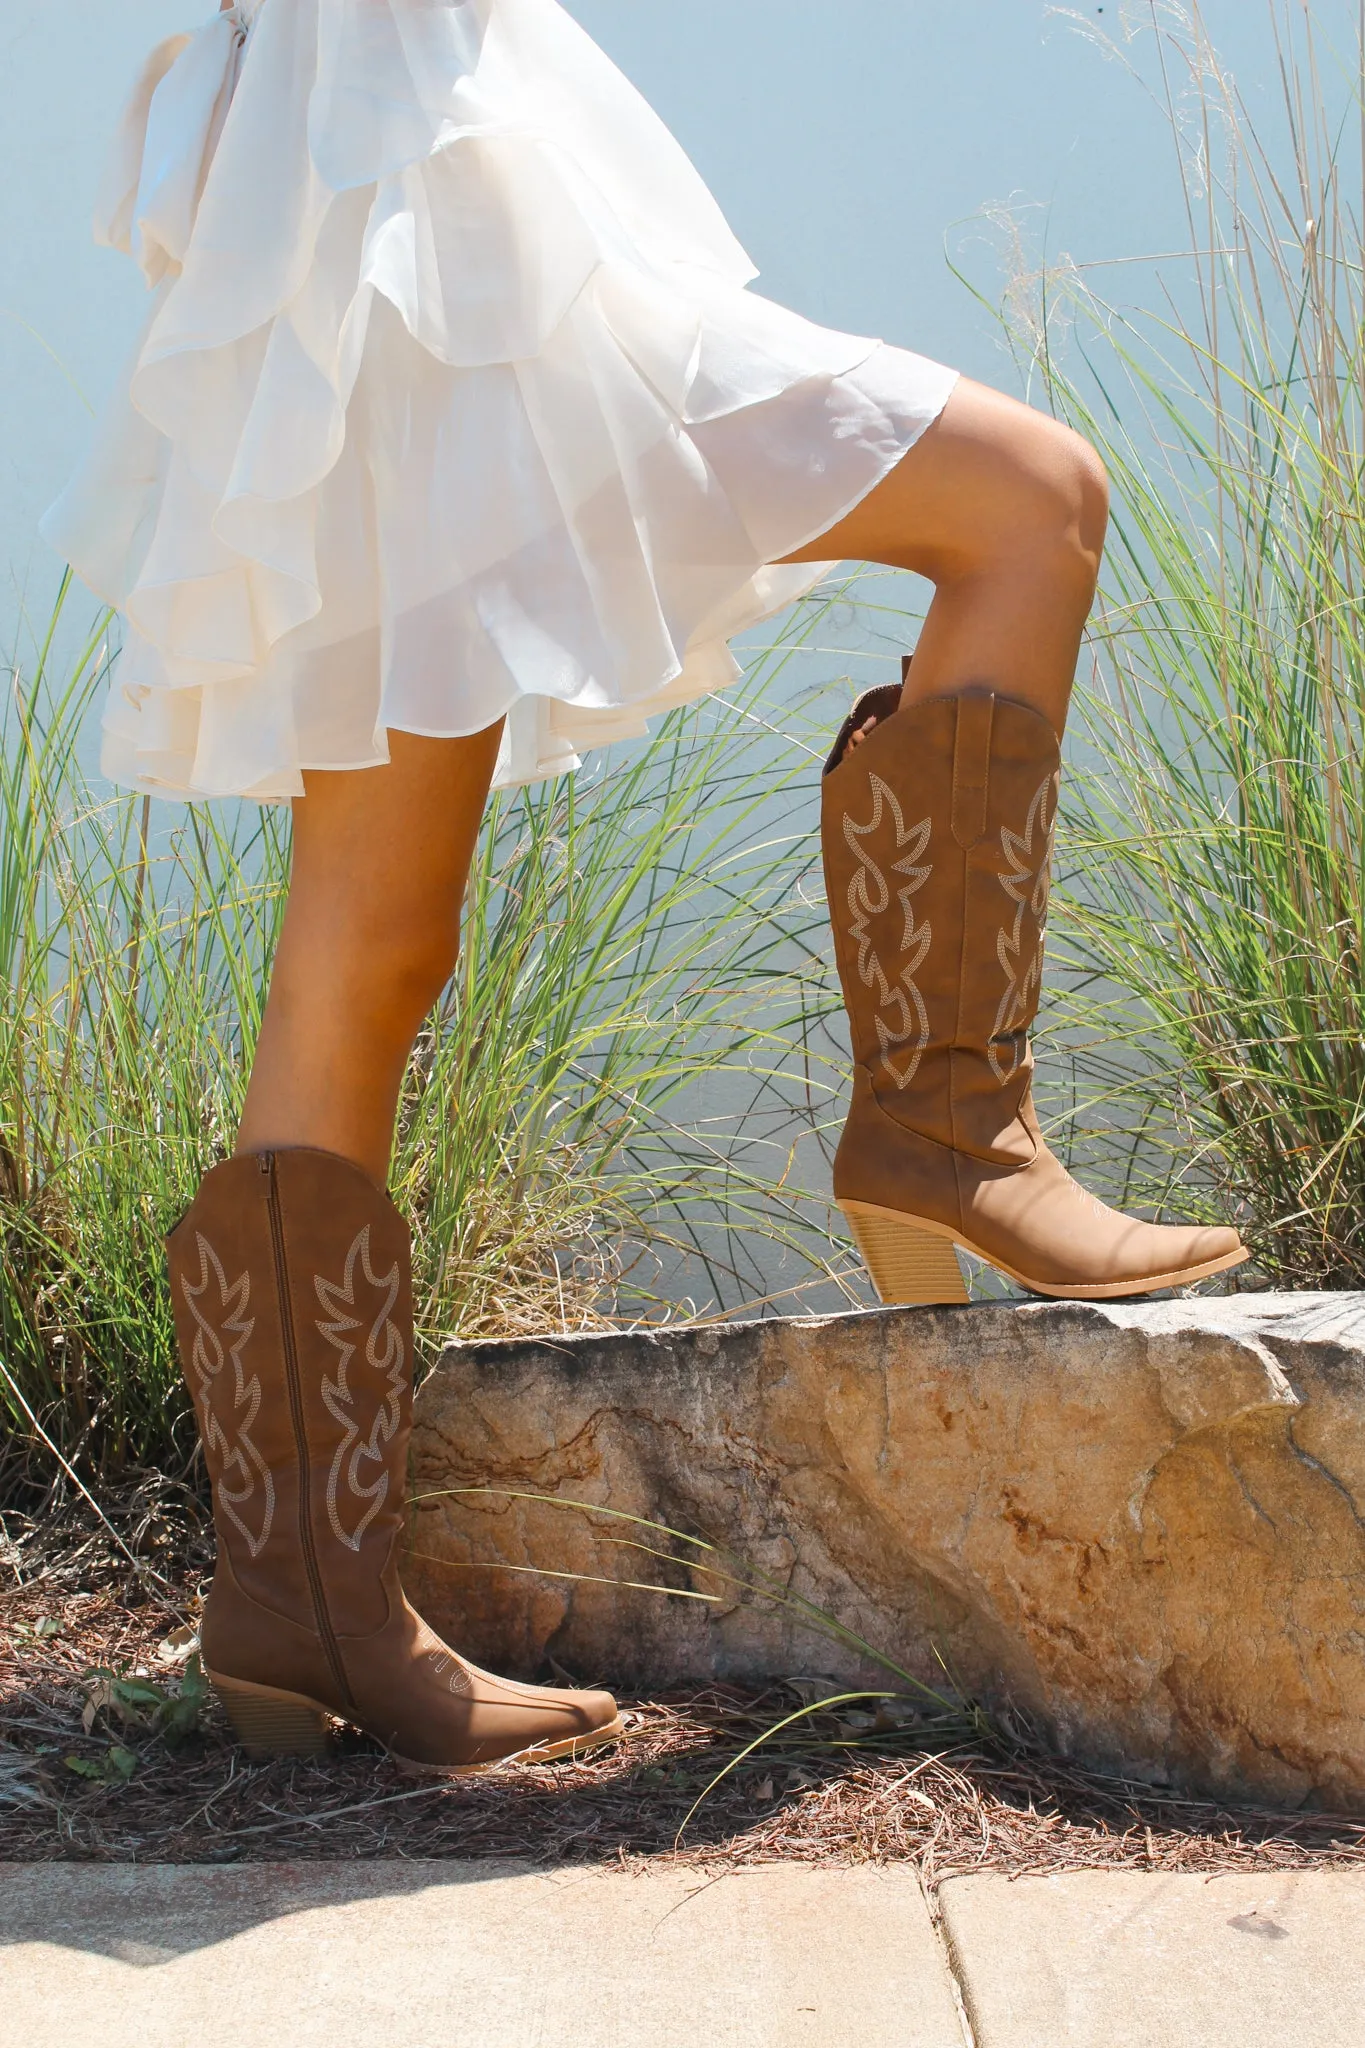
[{"x": 295, "y": 1385}]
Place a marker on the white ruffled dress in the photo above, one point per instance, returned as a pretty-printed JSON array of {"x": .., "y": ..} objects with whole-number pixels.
[{"x": 451, "y": 404}]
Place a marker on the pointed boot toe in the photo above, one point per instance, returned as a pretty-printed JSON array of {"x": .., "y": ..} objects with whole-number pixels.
[
  {"x": 1161, "y": 1249},
  {"x": 506, "y": 1724},
  {"x": 1198, "y": 1254},
  {"x": 435, "y": 1711},
  {"x": 1215, "y": 1246},
  {"x": 538, "y": 1723}
]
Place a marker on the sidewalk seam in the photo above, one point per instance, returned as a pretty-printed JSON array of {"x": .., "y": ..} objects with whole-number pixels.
[{"x": 950, "y": 1964}]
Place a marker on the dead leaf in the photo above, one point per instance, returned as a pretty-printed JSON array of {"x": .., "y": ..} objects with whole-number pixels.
[
  {"x": 179, "y": 1646},
  {"x": 97, "y": 1697}
]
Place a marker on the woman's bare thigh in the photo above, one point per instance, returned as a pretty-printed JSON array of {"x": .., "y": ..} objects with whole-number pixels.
[
  {"x": 989, "y": 478},
  {"x": 1004, "y": 511}
]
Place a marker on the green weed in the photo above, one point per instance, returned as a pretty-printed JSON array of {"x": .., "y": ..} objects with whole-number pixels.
[
  {"x": 1209, "y": 938},
  {"x": 614, "y": 1085}
]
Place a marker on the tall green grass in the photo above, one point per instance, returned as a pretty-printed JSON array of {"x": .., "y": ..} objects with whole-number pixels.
[
  {"x": 644, "y": 957},
  {"x": 1211, "y": 929},
  {"x": 622, "y": 1096}
]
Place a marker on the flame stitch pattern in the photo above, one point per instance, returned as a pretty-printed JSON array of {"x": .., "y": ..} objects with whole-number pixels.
[
  {"x": 234, "y": 1450},
  {"x": 1026, "y": 883},
  {"x": 869, "y": 894},
  {"x": 450, "y": 1672},
  {"x": 384, "y": 1351}
]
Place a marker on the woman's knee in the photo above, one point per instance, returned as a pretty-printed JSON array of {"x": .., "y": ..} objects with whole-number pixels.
[
  {"x": 416, "y": 973},
  {"x": 405, "y": 963},
  {"x": 1052, "y": 506},
  {"x": 378, "y": 966},
  {"x": 998, "y": 485},
  {"x": 1084, "y": 491}
]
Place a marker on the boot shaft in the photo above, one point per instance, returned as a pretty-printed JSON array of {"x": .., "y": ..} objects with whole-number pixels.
[
  {"x": 291, "y": 1283},
  {"x": 937, "y": 833},
  {"x": 291, "y": 1277}
]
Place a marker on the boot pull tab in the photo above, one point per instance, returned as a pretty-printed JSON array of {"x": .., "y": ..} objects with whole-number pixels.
[
  {"x": 972, "y": 766},
  {"x": 880, "y": 704}
]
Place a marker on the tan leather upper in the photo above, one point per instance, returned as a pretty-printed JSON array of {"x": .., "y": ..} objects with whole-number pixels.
[
  {"x": 291, "y": 1280},
  {"x": 937, "y": 843},
  {"x": 938, "y": 837}
]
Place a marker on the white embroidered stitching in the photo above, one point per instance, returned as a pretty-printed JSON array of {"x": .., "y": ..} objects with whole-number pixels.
[
  {"x": 1027, "y": 886},
  {"x": 1096, "y": 1207},
  {"x": 445, "y": 1660},
  {"x": 337, "y": 1297},
  {"x": 865, "y": 903},
  {"x": 207, "y": 1359}
]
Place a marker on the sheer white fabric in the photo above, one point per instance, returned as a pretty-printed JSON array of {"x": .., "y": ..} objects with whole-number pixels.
[{"x": 451, "y": 403}]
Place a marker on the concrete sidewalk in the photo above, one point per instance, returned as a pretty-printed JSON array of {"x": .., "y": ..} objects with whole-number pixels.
[
  {"x": 408, "y": 1955},
  {"x": 1118, "y": 1959},
  {"x": 478, "y": 1955}
]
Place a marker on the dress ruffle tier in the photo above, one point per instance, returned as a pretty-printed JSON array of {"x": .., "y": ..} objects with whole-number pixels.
[{"x": 451, "y": 403}]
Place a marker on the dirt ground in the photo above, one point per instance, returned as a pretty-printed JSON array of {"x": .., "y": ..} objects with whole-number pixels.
[{"x": 88, "y": 1769}]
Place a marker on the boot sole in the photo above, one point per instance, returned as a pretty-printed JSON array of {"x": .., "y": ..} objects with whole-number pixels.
[
  {"x": 913, "y": 1263},
  {"x": 269, "y": 1723}
]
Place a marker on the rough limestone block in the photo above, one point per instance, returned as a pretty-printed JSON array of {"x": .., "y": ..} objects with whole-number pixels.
[{"x": 1142, "y": 1525}]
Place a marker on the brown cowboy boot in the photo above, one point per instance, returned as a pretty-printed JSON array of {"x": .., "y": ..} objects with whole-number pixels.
[
  {"x": 937, "y": 834},
  {"x": 291, "y": 1279}
]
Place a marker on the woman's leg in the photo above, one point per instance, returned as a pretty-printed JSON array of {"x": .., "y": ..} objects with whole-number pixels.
[
  {"x": 1001, "y": 508},
  {"x": 371, "y": 933},
  {"x": 294, "y": 1265},
  {"x": 938, "y": 844},
  {"x": 1004, "y": 511}
]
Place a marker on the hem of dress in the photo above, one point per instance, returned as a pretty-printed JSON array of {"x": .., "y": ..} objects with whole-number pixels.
[
  {"x": 861, "y": 497},
  {"x": 642, "y": 709}
]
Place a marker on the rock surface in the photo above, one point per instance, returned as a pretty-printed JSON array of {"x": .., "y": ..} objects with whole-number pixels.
[{"x": 1144, "y": 1525}]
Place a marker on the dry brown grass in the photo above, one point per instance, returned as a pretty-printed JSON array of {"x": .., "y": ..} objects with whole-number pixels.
[{"x": 846, "y": 1794}]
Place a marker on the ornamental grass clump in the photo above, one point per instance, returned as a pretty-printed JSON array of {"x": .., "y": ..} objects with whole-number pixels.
[
  {"x": 643, "y": 960},
  {"x": 1211, "y": 932}
]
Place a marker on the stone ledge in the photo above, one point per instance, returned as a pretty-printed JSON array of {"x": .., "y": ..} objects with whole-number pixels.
[{"x": 1144, "y": 1525}]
